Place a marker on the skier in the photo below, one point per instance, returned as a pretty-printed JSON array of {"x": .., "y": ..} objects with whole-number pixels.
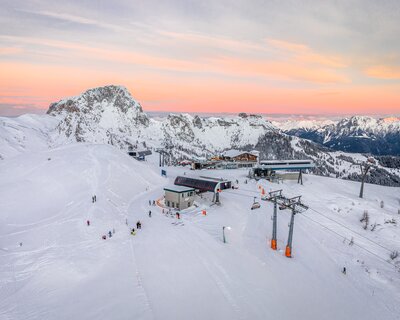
[
  {"x": 154, "y": 202},
  {"x": 344, "y": 270},
  {"x": 138, "y": 225},
  {"x": 92, "y": 199},
  {"x": 109, "y": 234},
  {"x": 95, "y": 198},
  {"x": 88, "y": 223},
  {"x": 149, "y": 202},
  {"x": 149, "y": 213},
  {"x": 178, "y": 215},
  {"x": 126, "y": 221},
  {"x": 133, "y": 231},
  {"x": 104, "y": 237}
]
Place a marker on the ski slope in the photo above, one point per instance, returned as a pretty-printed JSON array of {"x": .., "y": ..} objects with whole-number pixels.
[{"x": 170, "y": 270}]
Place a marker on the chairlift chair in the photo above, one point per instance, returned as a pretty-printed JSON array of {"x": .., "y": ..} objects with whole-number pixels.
[{"x": 255, "y": 205}]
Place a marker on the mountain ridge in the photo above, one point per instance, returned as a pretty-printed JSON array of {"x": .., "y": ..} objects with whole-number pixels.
[
  {"x": 110, "y": 115},
  {"x": 355, "y": 134}
]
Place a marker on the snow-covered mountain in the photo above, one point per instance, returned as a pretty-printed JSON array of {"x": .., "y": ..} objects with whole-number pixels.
[
  {"x": 110, "y": 115},
  {"x": 58, "y": 247},
  {"x": 355, "y": 134},
  {"x": 313, "y": 124}
]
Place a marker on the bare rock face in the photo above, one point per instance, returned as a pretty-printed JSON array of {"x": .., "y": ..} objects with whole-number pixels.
[{"x": 102, "y": 115}]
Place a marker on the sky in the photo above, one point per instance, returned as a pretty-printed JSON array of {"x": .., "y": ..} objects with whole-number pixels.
[{"x": 274, "y": 57}]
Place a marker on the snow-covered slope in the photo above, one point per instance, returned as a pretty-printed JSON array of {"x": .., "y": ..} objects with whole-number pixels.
[
  {"x": 26, "y": 133},
  {"x": 65, "y": 270}
]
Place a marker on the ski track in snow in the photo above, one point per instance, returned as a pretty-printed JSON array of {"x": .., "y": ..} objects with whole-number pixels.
[{"x": 184, "y": 271}]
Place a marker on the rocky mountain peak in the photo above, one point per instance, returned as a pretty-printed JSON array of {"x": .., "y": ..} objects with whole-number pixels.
[
  {"x": 101, "y": 97},
  {"x": 103, "y": 114}
]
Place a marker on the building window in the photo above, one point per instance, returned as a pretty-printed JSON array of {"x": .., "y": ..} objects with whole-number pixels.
[
  {"x": 173, "y": 204},
  {"x": 188, "y": 203},
  {"x": 167, "y": 203}
]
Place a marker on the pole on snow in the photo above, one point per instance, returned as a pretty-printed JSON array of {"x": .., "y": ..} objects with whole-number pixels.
[
  {"x": 364, "y": 171},
  {"x": 274, "y": 222},
  {"x": 223, "y": 234},
  {"x": 300, "y": 178},
  {"x": 288, "y": 252}
]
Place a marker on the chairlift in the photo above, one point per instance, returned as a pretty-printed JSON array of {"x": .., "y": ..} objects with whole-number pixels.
[{"x": 255, "y": 205}]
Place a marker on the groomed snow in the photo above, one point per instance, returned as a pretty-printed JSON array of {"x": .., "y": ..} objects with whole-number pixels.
[{"x": 170, "y": 270}]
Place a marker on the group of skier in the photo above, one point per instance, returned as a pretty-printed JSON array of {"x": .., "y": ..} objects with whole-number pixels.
[{"x": 104, "y": 236}]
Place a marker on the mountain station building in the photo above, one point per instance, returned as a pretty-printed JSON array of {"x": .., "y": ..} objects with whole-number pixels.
[{"x": 178, "y": 197}]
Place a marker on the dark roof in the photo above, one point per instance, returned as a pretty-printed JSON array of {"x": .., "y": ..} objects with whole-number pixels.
[
  {"x": 139, "y": 153},
  {"x": 200, "y": 184}
]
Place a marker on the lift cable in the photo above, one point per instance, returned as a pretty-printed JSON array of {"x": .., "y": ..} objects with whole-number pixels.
[
  {"x": 355, "y": 244},
  {"x": 336, "y": 233},
  {"x": 344, "y": 226}
]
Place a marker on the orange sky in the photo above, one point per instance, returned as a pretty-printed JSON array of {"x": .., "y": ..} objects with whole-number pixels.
[{"x": 167, "y": 69}]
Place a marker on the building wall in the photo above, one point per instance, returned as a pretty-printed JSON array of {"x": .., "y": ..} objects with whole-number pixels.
[
  {"x": 179, "y": 200},
  {"x": 245, "y": 157},
  {"x": 288, "y": 175}
]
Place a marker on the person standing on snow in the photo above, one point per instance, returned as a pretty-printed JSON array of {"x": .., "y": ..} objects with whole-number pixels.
[
  {"x": 138, "y": 225},
  {"x": 88, "y": 223},
  {"x": 149, "y": 213},
  {"x": 149, "y": 202},
  {"x": 109, "y": 234}
]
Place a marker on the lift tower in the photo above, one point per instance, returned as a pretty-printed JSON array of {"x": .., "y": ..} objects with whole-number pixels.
[
  {"x": 273, "y": 196},
  {"x": 296, "y": 206}
]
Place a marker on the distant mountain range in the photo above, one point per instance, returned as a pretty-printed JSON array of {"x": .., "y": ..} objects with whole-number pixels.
[
  {"x": 355, "y": 134},
  {"x": 110, "y": 115}
]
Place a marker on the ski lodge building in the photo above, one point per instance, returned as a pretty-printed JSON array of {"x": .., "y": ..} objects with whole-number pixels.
[
  {"x": 230, "y": 159},
  {"x": 240, "y": 156},
  {"x": 178, "y": 197},
  {"x": 281, "y": 169},
  {"x": 203, "y": 184},
  {"x": 139, "y": 154}
]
